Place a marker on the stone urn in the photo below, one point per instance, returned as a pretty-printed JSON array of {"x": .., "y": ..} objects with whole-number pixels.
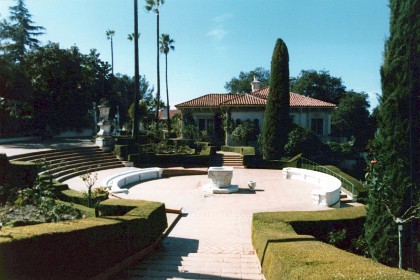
[{"x": 104, "y": 139}]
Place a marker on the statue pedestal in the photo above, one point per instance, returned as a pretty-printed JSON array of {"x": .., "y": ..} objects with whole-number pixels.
[
  {"x": 105, "y": 143},
  {"x": 104, "y": 139}
]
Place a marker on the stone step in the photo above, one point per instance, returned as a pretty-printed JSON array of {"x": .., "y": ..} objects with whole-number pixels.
[
  {"x": 73, "y": 173},
  {"x": 198, "y": 266},
  {"x": 52, "y": 153}
]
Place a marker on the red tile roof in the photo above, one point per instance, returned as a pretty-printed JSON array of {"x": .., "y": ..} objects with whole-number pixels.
[
  {"x": 244, "y": 100},
  {"x": 208, "y": 100},
  {"x": 258, "y": 98},
  {"x": 172, "y": 113}
]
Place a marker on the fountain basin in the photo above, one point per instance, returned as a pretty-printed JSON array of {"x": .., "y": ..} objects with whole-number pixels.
[{"x": 221, "y": 176}]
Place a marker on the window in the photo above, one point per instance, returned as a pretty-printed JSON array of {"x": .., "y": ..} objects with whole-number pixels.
[
  {"x": 201, "y": 124},
  {"x": 206, "y": 124},
  {"x": 317, "y": 126}
]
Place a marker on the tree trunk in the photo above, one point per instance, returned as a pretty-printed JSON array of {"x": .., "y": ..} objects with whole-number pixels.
[
  {"x": 168, "y": 120},
  {"x": 158, "y": 69}
]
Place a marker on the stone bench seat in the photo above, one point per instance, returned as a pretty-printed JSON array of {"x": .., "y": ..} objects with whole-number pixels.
[
  {"x": 327, "y": 194},
  {"x": 118, "y": 181}
]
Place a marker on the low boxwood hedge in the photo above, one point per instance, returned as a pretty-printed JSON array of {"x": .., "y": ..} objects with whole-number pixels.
[
  {"x": 79, "y": 249},
  {"x": 154, "y": 212},
  {"x": 287, "y": 250},
  {"x": 243, "y": 150},
  {"x": 256, "y": 161},
  {"x": 170, "y": 160}
]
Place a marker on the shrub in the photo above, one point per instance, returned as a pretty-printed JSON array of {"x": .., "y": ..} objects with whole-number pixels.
[
  {"x": 287, "y": 250},
  {"x": 303, "y": 141}
]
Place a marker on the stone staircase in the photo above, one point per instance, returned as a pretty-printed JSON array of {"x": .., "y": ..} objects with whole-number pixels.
[
  {"x": 64, "y": 164},
  {"x": 226, "y": 159}
]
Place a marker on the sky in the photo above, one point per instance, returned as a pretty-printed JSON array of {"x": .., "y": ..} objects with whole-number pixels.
[{"x": 217, "y": 39}]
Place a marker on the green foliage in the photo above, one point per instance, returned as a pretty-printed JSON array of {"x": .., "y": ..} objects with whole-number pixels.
[
  {"x": 90, "y": 238},
  {"x": 391, "y": 156},
  {"x": 276, "y": 117},
  {"x": 18, "y": 33},
  {"x": 302, "y": 141},
  {"x": 287, "y": 248},
  {"x": 337, "y": 237},
  {"x": 242, "y": 84},
  {"x": 352, "y": 119},
  {"x": 245, "y": 132},
  {"x": 243, "y": 150},
  {"x": 320, "y": 85}
]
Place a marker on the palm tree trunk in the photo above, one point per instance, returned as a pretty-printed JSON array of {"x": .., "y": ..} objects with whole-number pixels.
[
  {"x": 158, "y": 68},
  {"x": 112, "y": 57},
  {"x": 136, "y": 74},
  {"x": 168, "y": 118}
]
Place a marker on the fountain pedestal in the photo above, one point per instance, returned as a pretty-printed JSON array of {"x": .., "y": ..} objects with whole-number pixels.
[{"x": 221, "y": 180}]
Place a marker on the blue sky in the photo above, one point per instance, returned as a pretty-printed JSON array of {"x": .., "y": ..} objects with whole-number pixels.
[{"x": 216, "y": 39}]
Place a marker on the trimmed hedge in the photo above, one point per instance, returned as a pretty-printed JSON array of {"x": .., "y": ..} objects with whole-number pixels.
[
  {"x": 79, "y": 249},
  {"x": 22, "y": 174},
  {"x": 81, "y": 198},
  {"x": 154, "y": 212},
  {"x": 150, "y": 159},
  {"x": 287, "y": 250},
  {"x": 243, "y": 150},
  {"x": 258, "y": 162}
]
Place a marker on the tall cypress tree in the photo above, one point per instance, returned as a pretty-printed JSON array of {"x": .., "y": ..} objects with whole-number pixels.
[
  {"x": 394, "y": 154},
  {"x": 276, "y": 117}
]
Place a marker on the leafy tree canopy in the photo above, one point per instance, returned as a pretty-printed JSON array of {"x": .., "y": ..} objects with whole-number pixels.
[
  {"x": 320, "y": 85},
  {"x": 242, "y": 84},
  {"x": 352, "y": 119},
  {"x": 18, "y": 34}
]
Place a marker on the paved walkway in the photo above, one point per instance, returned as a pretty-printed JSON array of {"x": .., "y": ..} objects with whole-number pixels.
[{"x": 213, "y": 238}]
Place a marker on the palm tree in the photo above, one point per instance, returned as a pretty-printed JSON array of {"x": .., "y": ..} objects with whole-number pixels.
[
  {"x": 109, "y": 34},
  {"x": 153, "y": 5},
  {"x": 166, "y": 44}
]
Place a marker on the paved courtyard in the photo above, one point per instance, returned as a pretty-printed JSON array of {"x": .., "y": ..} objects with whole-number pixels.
[{"x": 213, "y": 238}]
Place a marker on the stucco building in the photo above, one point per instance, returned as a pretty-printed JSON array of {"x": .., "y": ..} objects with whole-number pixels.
[{"x": 207, "y": 112}]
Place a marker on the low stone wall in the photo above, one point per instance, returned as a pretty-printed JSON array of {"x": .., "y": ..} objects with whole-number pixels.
[
  {"x": 329, "y": 189},
  {"x": 118, "y": 181}
]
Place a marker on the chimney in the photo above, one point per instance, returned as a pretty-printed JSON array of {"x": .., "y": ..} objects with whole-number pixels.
[{"x": 255, "y": 85}]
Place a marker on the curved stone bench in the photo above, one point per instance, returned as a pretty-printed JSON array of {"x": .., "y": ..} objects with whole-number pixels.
[
  {"x": 329, "y": 189},
  {"x": 118, "y": 181}
]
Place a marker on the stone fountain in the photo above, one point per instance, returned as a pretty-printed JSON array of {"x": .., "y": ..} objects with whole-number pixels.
[{"x": 221, "y": 180}]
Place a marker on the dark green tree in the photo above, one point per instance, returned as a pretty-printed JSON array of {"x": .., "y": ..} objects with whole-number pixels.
[
  {"x": 242, "y": 84},
  {"x": 302, "y": 141},
  {"x": 320, "y": 85},
  {"x": 276, "y": 117},
  {"x": 65, "y": 83},
  {"x": 394, "y": 153},
  {"x": 352, "y": 119},
  {"x": 167, "y": 44},
  {"x": 18, "y": 34},
  {"x": 153, "y": 5}
]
